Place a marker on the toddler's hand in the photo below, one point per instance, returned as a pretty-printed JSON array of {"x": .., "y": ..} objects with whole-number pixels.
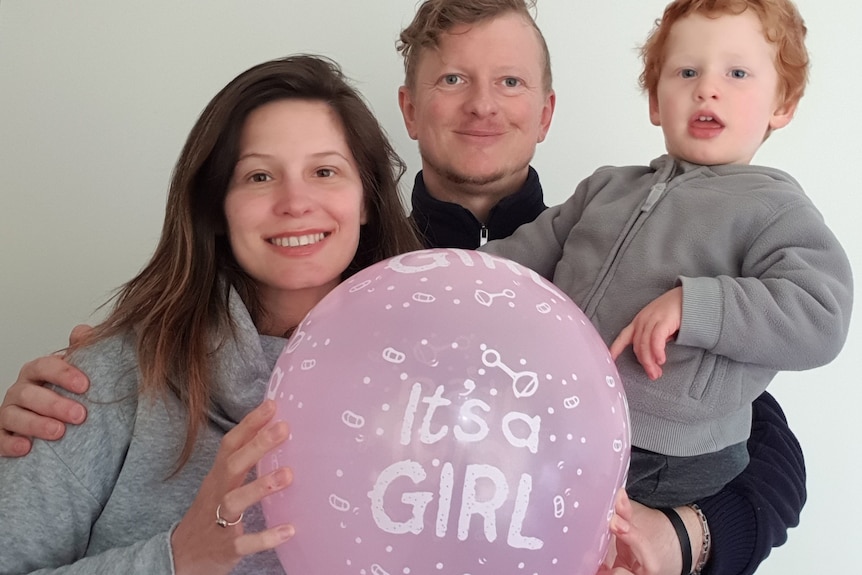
[{"x": 650, "y": 330}]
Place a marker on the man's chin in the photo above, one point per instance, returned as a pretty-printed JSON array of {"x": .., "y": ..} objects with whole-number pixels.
[
  {"x": 473, "y": 179},
  {"x": 468, "y": 173}
]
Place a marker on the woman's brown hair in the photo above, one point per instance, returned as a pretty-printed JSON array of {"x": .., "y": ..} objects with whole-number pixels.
[{"x": 177, "y": 306}]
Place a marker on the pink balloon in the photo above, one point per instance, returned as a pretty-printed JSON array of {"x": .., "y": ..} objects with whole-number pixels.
[{"x": 451, "y": 412}]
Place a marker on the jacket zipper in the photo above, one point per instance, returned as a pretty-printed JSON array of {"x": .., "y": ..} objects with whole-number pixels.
[{"x": 632, "y": 227}]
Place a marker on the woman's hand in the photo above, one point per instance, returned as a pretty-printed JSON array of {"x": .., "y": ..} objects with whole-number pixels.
[
  {"x": 31, "y": 410},
  {"x": 644, "y": 541},
  {"x": 201, "y": 545}
]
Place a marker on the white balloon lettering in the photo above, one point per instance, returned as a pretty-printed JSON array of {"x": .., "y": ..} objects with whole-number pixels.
[
  {"x": 471, "y": 504},
  {"x": 468, "y": 412},
  {"x": 418, "y": 500},
  {"x": 468, "y": 415}
]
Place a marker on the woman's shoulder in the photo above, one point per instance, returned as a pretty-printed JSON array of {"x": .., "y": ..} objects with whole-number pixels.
[
  {"x": 82, "y": 466},
  {"x": 111, "y": 366},
  {"x": 111, "y": 400}
]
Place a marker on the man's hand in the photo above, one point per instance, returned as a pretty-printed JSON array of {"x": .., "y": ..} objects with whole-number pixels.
[
  {"x": 30, "y": 410},
  {"x": 644, "y": 541}
]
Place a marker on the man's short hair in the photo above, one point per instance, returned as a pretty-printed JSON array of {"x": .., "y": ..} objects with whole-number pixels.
[{"x": 436, "y": 17}]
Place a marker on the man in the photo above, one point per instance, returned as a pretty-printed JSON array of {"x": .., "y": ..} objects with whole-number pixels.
[
  {"x": 478, "y": 99},
  {"x": 478, "y": 104}
]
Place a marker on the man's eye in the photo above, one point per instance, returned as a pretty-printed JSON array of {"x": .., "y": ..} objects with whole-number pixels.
[
  {"x": 451, "y": 79},
  {"x": 738, "y": 73},
  {"x": 512, "y": 82},
  {"x": 688, "y": 73}
]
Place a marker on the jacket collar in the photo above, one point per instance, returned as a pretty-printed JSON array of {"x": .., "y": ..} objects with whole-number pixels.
[
  {"x": 242, "y": 363},
  {"x": 449, "y": 225}
]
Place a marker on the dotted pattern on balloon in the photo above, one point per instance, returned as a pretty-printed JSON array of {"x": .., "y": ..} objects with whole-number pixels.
[{"x": 451, "y": 412}]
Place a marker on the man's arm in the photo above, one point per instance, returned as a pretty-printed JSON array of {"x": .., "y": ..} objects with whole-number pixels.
[
  {"x": 746, "y": 519},
  {"x": 752, "y": 514}
]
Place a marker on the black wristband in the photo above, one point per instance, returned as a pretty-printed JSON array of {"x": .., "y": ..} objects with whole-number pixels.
[{"x": 682, "y": 535}]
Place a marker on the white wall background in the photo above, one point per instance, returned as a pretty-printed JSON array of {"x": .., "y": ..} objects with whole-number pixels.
[{"x": 97, "y": 96}]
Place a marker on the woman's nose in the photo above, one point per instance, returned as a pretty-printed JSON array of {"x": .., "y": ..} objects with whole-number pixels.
[{"x": 293, "y": 197}]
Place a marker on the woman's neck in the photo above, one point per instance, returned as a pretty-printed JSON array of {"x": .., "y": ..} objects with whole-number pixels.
[{"x": 284, "y": 309}]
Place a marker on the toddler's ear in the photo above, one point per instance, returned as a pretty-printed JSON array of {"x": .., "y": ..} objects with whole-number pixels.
[
  {"x": 782, "y": 115},
  {"x": 654, "y": 115}
]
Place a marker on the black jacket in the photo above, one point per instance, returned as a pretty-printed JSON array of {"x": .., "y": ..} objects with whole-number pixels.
[{"x": 444, "y": 224}]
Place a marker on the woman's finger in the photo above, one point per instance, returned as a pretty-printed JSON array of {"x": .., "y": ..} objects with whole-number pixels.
[
  {"x": 249, "y": 543},
  {"x": 248, "y": 427},
  {"x": 251, "y": 493},
  {"x": 244, "y": 458}
]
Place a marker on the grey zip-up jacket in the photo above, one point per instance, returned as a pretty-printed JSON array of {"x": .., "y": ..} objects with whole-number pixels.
[
  {"x": 102, "y": 499},
  {"x": 766, "y": 286}
]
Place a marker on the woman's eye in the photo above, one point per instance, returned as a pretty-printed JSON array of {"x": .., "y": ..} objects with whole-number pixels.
[
  {"x": 738, "y": 73},
  {"x": 688, "y": 73},
  {"x": 325, "y": 172},
  {"x": 259, "y": 177}
]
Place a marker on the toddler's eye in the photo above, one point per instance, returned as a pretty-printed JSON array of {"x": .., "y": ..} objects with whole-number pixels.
[
  {"x": 738, "y": 73},
  {"x": 688, "y": 73}
]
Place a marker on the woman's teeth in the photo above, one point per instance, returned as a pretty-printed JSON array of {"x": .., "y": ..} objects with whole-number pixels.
[{"x": 295, "y": 241}]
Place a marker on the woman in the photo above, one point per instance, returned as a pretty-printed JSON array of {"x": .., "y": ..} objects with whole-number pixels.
[{"x": 286, "y": 185}]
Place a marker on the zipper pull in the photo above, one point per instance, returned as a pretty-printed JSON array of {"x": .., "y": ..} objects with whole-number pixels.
[
  {"x": 654, "y": 194},
  {"x": 483, "y": 236}
]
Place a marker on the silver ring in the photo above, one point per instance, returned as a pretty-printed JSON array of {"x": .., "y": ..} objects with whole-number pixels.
[{"x": 222, "y": 522}]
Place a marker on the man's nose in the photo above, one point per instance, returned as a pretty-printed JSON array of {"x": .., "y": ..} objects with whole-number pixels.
[{"x": 482, "y": 99}]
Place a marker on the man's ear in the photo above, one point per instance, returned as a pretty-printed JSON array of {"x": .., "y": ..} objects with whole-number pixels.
[
  {"x": 782, "y": 116},
  {"x": 408, "y": 110},
  {"x": 547, "y": 115},
  {"x": 654, "y": 115}
]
